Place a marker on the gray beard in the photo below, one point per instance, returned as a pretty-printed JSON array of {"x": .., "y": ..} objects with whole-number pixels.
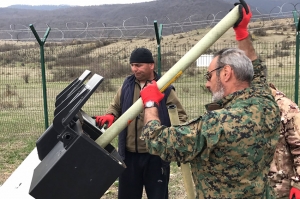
[{"x": 219, "y": 94}]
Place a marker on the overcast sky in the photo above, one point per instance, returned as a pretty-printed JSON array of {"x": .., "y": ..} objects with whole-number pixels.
[{"x": 5, "y": 3}]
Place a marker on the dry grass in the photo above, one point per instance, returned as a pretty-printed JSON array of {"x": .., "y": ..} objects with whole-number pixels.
[
  {"x": 14, "y": 150},
  {"x": 283, "y": 30}
]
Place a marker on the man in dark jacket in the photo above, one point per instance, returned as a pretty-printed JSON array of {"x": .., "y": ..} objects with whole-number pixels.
[{"x": 143, "y": 169}]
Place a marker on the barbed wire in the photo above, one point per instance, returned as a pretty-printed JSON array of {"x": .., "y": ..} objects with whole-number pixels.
[{"x": 76, "y": 30}]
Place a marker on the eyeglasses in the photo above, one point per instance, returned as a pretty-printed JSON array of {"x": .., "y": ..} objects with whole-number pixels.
[{"x": 208, "y": 75}]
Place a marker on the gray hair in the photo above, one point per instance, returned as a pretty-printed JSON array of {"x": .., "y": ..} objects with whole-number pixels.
[{"x": 238, "y": 61}]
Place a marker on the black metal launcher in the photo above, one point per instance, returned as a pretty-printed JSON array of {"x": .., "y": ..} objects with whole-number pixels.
[{"x": 73, "y": 165}]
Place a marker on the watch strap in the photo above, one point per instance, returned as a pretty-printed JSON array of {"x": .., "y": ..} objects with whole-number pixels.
[{"x": 154, "y": 105}]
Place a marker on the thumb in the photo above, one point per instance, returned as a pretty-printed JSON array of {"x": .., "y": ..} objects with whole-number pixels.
[
  {"x": 154, "y": 83},
  {"x": 244, "y": 4}
]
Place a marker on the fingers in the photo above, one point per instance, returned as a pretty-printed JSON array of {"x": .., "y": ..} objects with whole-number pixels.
[
  {"x": 244, "y": 4},
  {"x": 99, "y": 121},
  {"x": 153, "y": 82},
  {"x": 104, "y": 126},
  {"x": 109, "y": 123},
  {"x": 104, "y": 121}
]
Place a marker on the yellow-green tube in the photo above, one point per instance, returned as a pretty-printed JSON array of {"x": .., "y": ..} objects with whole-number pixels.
[
  {"x": 171, "y": 75},
  {"x": 185, "y": 168}
]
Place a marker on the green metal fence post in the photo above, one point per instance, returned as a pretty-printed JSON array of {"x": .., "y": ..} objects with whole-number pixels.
[
  {"x": 296, "y": 20},
  {"x": 41, "y": 43},
  {"x": 158, "y": 33}
]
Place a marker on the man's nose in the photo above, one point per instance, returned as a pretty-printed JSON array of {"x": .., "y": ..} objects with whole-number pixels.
[{"x": 207, "y": 85}]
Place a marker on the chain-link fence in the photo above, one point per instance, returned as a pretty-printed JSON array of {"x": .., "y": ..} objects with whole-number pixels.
[{"x": 21, "y": 101}]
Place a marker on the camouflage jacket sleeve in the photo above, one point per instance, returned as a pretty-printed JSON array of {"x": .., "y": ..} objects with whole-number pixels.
[
  {"x": 184, "y": 142},
  {"x": 259, "y": 78},
  {"x": 290, "y": 118}
]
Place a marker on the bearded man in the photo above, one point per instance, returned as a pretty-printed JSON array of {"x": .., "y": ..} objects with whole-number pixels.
[{"x": 231, "y": 146}]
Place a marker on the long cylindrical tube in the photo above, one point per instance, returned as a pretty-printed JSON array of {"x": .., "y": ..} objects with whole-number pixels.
[
  {"x": 171, "y": 75},
  {"x": 185, "y": 168}
]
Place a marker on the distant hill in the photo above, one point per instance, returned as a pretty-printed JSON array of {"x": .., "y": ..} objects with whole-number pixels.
[
  {"x": 111, "y": 17},
  {"x": 39, "y": 7},
  {"x": 114, "y": 21}
]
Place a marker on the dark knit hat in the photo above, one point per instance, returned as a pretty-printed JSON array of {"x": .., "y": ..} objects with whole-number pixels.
[{"x": 141, "y": 55}]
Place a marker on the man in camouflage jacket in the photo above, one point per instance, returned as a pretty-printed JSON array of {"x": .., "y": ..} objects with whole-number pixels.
[
  {"x": 285, "y": 168},
  {"x": 231, "y": 146}
]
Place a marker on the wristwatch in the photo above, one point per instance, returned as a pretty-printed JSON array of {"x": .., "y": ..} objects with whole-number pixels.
[{"x": 150, "y": 104}]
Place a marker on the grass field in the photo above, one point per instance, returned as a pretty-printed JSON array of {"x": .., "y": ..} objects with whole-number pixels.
[{"x": 29, "y": 119}]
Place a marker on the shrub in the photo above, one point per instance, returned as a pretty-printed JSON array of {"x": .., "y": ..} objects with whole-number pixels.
[
  {"x": 280, "y": 53},
  {"x": 185, "y": 89},
  {"x": 106, "y": 86},
  {"x": 20, "y": 103},
  {"x": 190, "y": 72},
  {"x": 7, "y": 101},
  {"x": 116, "y": 70},
  {"x": 8, "y": 91},
  {"x": 167, "y": 63},
  {"x": 65, "y": 74},
  {"x": 260, "y": 32},
  {"x": 26, "y": 78},
  {"x": 6, "y": 105},
  {"x": 285, "y": 45},
  {"x": 8, "y": 47}
]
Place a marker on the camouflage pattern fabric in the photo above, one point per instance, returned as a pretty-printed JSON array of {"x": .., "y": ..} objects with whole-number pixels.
[
  {"x": 230, "y": 147},
  {"x": 285, "y": 167}
]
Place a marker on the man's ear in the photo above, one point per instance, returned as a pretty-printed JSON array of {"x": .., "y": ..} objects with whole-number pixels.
[
  {"x": 228, "y": 73},
  {"x": 152, "y": 66}
]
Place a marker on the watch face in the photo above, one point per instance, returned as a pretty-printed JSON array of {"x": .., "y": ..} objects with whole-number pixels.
[{"x": 149, "y": 104}]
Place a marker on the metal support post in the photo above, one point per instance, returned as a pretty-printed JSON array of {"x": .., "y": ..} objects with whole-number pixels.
[
  {"x": 158, "y": 33},
  {"x": 41, "y": 43},
  {"x": 296, "y": 20}
]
